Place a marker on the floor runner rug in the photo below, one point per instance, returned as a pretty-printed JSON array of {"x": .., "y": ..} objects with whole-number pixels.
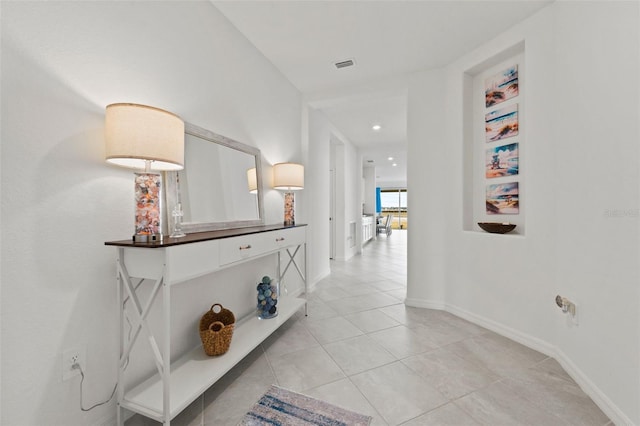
[{"x": 282, "y": 407}]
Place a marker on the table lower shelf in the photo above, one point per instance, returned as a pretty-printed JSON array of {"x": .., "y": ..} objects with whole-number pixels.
[{"x": 195, "y": 372}]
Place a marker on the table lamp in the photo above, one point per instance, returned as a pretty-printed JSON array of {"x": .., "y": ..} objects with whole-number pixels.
[
  {"x": 144, "y": 137},
  {"x": 288, "y": 177}
]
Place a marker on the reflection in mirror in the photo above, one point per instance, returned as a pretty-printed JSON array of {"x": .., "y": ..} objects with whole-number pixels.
[
  {"x": 214, "y": 187},
  {"x": 214, "y": 183}
]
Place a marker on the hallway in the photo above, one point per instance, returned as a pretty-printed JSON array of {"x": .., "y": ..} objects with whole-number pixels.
[{"x": 362, "y": 349}]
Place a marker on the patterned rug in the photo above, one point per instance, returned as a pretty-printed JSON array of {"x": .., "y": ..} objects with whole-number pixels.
[{"x": 281, "y": 407}]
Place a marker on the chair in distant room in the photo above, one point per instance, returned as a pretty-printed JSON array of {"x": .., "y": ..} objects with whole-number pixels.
[{"x": 384, "y": 227}]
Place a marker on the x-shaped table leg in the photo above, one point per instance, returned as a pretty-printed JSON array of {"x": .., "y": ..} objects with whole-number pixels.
[{"x": 141, "y": 317}]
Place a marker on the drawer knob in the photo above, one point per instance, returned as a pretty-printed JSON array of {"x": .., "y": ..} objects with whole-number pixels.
[
  {"x": 279, "y": 239},
  {"x": 247, "y": 247}
]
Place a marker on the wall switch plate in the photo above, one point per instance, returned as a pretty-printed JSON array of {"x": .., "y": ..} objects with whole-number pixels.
[{"x": 76, "y": 354}]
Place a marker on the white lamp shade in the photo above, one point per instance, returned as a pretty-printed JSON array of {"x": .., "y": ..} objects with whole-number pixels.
[
  {"x": 135, "y": 134},
  {"x": 288, "y": 176},
  {"x": 252, "y": 180}
]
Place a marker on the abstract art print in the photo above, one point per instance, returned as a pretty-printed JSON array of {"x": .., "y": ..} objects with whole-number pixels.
[
  {"x": 501, "y": 123},
  {"x": 501, "y": 86},
  {"x": 502, "y": 198},
  {"x": 501, "y": 161}
]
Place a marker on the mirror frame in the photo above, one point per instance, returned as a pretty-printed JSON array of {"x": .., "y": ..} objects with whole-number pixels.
[{"x": 172, "y": 189}]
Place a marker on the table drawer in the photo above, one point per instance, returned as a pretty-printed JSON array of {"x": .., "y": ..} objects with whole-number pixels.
[
  {"x": 244, "y": 247},
  {"x": 288, "y": 237},
  {"x": 188, "y": 261}
]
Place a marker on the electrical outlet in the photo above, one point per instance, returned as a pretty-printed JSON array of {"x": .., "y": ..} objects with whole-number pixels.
[
  {"x": 77, "y": 354},
  {"x": 574, "y": 314}
]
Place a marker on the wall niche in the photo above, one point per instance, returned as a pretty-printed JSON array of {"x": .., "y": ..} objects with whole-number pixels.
[{"x": 494, "y": 141}]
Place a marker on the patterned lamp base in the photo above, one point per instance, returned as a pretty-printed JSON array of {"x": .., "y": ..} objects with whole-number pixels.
[
  {"x": 289, "y": 215},
  {"x": 147, "y": 199}
]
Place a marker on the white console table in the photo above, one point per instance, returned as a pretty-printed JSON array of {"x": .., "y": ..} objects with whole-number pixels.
[{"x": 173, "y": 261}]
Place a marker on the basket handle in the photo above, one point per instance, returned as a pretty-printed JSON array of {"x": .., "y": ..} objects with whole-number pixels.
[
  {"x": 216, "y": 326},
  {"x": 214, "y": 305}
]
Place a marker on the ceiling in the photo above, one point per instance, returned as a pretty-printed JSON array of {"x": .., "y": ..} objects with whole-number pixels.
[{"x": 388, "y": 40}]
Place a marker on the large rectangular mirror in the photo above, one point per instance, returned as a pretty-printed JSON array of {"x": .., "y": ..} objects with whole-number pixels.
[{"x": 216, "y": 188}]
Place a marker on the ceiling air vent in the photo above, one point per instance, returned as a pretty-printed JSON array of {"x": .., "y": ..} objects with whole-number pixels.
[{"x": 345, "y": 63}]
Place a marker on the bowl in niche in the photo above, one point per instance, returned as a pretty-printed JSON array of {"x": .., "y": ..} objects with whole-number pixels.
[{"x": 497, "y": 227}]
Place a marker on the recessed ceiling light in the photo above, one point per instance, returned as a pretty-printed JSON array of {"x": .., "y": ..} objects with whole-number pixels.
[
  {"x": 376, "y": 127},
  {"x": 390, "y": 158},
  {"x": 394, "y": 164}
]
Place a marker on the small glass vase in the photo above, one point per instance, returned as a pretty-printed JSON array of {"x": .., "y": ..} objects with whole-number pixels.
[
  {"x": 268, "y": 295},
  {"x": 177, "y": 221}
]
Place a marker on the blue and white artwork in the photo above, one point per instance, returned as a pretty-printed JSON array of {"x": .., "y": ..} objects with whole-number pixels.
[
  {"x": 501, "y": 123},
  {"x": 501, "y": 86},
  {"x": 503, "y": 198},
  {"x": 502, "y": 161}
]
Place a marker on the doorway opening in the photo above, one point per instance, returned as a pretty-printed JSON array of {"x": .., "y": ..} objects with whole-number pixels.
[{"x": 394, "y": 202}]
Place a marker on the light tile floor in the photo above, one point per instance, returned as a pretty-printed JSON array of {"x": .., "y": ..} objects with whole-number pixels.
[{"x": 362, "y": 349}]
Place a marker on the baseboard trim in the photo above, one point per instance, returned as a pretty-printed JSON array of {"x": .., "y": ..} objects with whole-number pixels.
[
  {"x": 315, "y": 280},
  {"x": 513, "y": 334},
  {"x": 599, "y": 398},
  {"x": 421, "y": 303},
  {"x": 312, "y": 283}
]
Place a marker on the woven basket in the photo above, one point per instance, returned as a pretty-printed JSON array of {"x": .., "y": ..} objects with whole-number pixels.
[{"x": 216, "y": 330}]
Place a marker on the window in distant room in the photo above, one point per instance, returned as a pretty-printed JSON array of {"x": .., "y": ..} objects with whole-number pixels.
[{"x": 394, "y": 202}]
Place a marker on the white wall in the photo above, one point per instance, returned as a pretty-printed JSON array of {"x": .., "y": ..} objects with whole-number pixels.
[
  {"x": 62, "y": 63},
  {"x": 353, "y": 205},
  {"x": 348, "y": 206},
  {"x": 391, "y": 184},
  {"x": 323, "y": 139},
  {"x": 369, "y": 195},
  {"x": 317, "y": 185},
  {"x": 426, "y": 191},
  {"x": 598, "y": 203},
  {"x": 582, "y": 198}
]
